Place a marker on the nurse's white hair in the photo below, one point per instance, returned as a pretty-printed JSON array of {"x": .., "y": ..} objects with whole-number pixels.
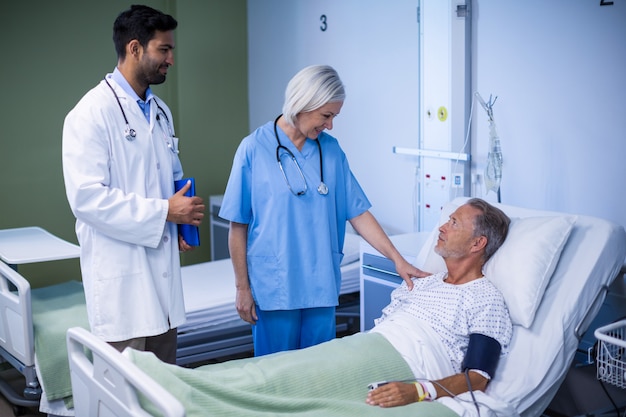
[{"x": 311, "y": 88}]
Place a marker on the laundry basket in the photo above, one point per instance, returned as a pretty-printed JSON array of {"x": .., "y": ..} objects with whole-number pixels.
[{"x": 611, "y": 353}]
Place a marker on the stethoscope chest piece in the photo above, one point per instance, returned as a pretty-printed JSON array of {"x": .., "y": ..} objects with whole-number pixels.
[
  {"x": 130, "y": 134},
  {"x": 322, "y": 189}
]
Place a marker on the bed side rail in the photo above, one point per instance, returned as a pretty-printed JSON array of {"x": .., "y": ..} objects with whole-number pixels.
[
  {"x": 16, "y": 328},
  {"x": 104, "y": 381}
]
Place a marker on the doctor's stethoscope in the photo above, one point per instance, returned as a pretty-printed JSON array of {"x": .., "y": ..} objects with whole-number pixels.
[
  {"x": 322, "y": 188},
  {"x": 130, "y": 134}
]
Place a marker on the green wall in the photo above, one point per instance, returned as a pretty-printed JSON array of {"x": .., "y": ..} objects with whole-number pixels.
[{"x": 55, "y": 51}]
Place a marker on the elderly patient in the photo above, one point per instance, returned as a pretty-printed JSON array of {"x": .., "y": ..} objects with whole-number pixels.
[
  {"x": 441, "y": 338},
  {"x": 461, "y": 306}
]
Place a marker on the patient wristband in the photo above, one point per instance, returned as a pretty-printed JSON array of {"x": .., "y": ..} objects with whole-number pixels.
[
  {"x": 425, "y": 391},
  {"x": 432, "y": 391},
  {"x": 422, "y": 394}
]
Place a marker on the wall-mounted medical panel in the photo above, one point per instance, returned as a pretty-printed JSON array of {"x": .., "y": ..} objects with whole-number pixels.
[
  {"x": 445, "y": 88},
  {"x": 442, "y": 156}
]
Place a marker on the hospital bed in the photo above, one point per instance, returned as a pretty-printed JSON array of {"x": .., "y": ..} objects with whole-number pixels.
[
  {"x": 20, "y": 246},
  {"x": 213, "y": 328},
  {"x": 554, "y": 271}
]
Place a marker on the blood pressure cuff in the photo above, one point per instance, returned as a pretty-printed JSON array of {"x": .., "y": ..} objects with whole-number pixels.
[{"x": 483, "y": 353}]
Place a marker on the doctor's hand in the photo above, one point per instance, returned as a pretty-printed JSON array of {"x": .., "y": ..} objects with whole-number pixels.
[
  {"x": 185, "y": 210},
  {"x": 408, "y": 271},
  {"x": 245, "y": 305},
  {"x": 183, "y": 246}
]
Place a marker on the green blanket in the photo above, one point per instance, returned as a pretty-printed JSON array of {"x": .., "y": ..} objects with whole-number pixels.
[
  {"x": 326, "y": 380},
  {"x": 55, "y": 309}
]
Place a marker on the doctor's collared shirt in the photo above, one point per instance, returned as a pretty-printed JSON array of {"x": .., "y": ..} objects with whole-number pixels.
[{"x": 143, "y": 105}]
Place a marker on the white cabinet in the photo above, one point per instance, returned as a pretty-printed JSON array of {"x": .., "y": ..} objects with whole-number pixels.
[{"x": 379, "y": 277}]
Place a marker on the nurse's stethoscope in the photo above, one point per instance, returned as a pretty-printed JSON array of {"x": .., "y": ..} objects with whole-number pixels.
[
  {"x": 322, "y": 188},
  {"x": 130, "y": 134}
]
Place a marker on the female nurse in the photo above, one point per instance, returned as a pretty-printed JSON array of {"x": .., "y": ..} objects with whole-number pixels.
[{"x": 288, "y": 198}]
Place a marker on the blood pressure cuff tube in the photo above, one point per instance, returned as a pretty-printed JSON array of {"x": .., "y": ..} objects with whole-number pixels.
[{"x": 483, "y": 353}]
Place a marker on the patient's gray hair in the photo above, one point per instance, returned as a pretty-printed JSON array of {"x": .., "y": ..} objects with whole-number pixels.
[
  {"x": 311, "y": 88},
  {"x": 491, "y": 223}
]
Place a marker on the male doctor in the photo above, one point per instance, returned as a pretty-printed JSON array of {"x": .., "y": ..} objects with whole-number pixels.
[{"x": 120, "y": 160}]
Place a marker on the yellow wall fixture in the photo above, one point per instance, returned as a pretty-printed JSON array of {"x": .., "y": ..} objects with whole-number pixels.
[{"x": 442, "y": 113}]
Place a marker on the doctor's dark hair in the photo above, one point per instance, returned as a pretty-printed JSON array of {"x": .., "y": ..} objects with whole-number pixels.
[
  {"x": 491, "y": 223},
  {"x": 139, "y": 22},
  {"x": 311, "y": 88}
]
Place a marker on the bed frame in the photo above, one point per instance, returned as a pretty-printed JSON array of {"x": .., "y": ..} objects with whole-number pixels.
[
  {"x": 100, "y": 389},
  {"x": 17, "y": 346},
  {"x": 18, "y": 246}
]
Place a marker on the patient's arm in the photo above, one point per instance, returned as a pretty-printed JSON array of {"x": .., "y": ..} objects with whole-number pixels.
[
  {"x": 457, "y": 384},
  {"x": 395, "y": 394}
]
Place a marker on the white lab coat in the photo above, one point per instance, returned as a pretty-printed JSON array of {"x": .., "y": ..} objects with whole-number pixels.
[{"x": 118, "y": 191}]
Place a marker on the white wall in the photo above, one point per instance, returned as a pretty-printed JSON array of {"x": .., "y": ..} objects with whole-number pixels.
[
  {"x": 559, "y": 70},
  {"x": 373, "y": 44}
]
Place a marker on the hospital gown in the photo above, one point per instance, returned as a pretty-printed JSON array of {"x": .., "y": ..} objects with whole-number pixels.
[{"x": 452, "y": 311}]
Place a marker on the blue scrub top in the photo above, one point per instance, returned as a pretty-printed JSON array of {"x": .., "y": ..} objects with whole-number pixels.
[{"x": 295, "y": 243}]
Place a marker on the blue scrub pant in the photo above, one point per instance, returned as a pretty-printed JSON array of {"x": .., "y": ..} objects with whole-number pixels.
[{"x": 280, "y": 330}]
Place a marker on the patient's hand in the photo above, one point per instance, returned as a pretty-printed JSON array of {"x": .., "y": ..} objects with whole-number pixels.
[{"x": 392, "y": 394}]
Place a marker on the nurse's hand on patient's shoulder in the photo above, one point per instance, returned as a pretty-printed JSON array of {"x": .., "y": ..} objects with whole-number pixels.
[
  {"x": 185, "y": 210},
  {"x": 408, "y": 271},
  {"x": 245, "y": 305}
]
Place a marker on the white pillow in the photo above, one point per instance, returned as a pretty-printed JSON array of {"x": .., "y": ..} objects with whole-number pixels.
[{"x": 524, "y": 264}]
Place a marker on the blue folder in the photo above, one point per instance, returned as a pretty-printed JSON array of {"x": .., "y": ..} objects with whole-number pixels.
[{"x": 190, "y": 233}]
